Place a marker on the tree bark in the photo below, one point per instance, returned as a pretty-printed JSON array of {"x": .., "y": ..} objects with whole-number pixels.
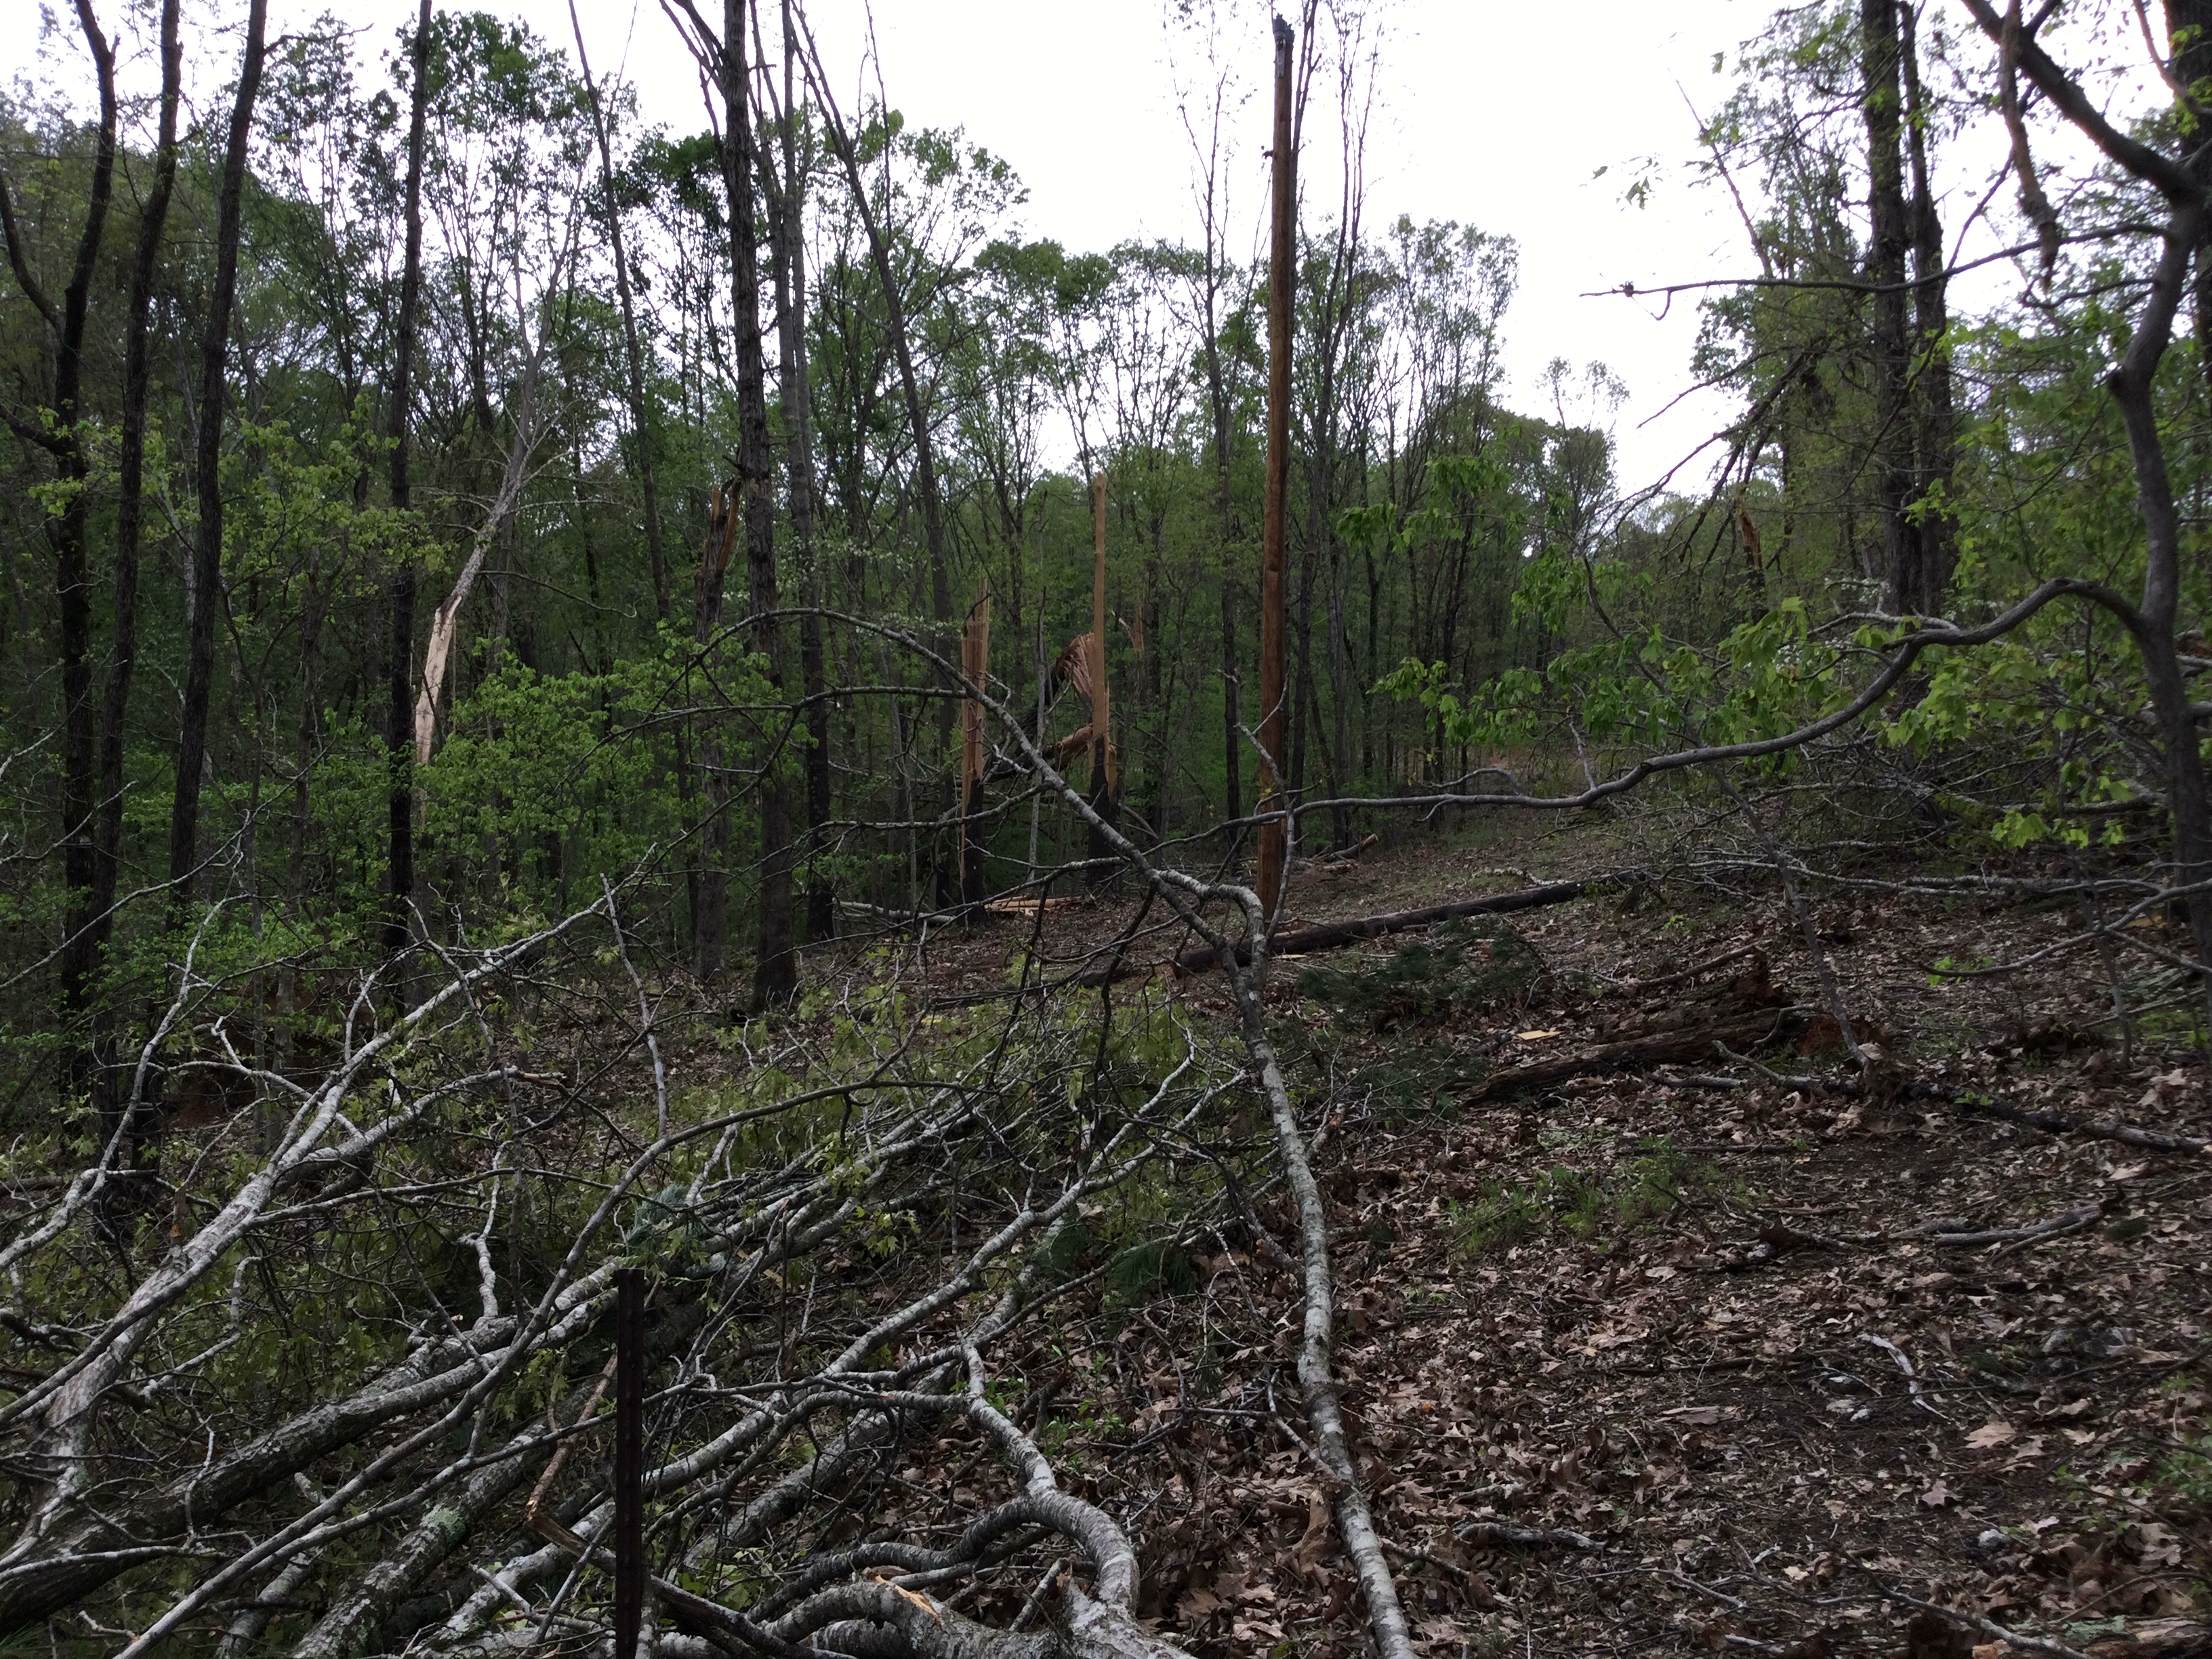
[
  {"x": 129, "y": 528},
  {"x": 2189, "y": 37},
  {"x": 1890, "y": 234},
  {"x": 66, "y": 535},
  {"x": 1274, "y": 833},
  {"x": 710, "y": 917},
  {"x": 787, "y": 229},
  {"x": 400, "y": 688},
  {"x": 207, "y": 554},
  {"x": 1935, "y": 435},
  {"x": 775, "y": 966}
]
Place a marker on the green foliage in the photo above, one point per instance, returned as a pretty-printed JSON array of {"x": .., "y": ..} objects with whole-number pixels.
[
  {"x": 1146, "y": 1270},
  {"x": 1579, "y": 1201}
]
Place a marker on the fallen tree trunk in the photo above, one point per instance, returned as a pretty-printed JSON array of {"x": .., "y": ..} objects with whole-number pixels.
[
  {"x": 1336, "y": 935},
  {"x": 2151, "y": 1141},
  {"x": 1699, "y": 1042}
]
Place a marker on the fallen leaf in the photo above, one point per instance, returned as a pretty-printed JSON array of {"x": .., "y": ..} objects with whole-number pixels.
[
  {"x": 1195, "y": 1607},
  {"x": 1995, "y": 1432},
  {"x": 1696, "y": 1417},
  {"x": 1937, "y": 1494},
  {"x": 1312, "y": 1544}
]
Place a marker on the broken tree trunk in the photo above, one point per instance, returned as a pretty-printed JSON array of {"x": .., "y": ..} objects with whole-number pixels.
[{"x": 1334, "y": 935}]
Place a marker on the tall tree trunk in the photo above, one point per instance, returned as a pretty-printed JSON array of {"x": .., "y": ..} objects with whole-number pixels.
[
  {"x": 775, "y": 968},
  {"x": 400, "y": 688},
  {"x": 1934, "y": 423},
  {"x": 129, "y": 530},
  {"x": 788, "y": 227},
  {"x": 641, "y": 407},
  {"x": 1890, "y": 234},
  {"x": 2189, "y": 37},
  {"x": 66, "y": 535},
  {"x": 207, "y": 555},
  {"x": 1274, "y": 835},
  {"x": 710, "y": 913}
]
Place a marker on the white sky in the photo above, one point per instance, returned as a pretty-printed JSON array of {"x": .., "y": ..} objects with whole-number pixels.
[{"x": 1492, "y": 113}]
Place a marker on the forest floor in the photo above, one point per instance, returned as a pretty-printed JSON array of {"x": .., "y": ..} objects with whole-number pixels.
[{"x": 1637, "y": 1362}]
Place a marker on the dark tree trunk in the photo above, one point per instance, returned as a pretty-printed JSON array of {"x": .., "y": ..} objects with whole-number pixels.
[
  {"x": 788, "y": 229},
  {"x": 1890, "y": 235},
  {"x": 130, "y": 527},
  {"x": 207, "y": 555},
  {"x": 710, "y": 910},
  {"x": 1281, "y": 274},
  {"x": 776, "y": 968},
  {"x": 400, "y": 690},
  {"x": 66, "y": 535},
  {"x": 2189, "y": 37},
  {"x": 1934, "y": 423}
]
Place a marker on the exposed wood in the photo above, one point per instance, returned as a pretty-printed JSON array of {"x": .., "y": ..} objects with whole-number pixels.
[
  {"x": 206, "y": 596},
  {"x": 1334, "y": 935},
  {"x": 1697, "y": 1042}
]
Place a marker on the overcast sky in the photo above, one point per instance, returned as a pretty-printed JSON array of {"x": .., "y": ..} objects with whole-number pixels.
[{"x": 1494, "y": 114}]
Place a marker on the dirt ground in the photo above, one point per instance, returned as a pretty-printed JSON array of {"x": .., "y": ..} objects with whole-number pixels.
[{"x": 1639, "y": 1363}]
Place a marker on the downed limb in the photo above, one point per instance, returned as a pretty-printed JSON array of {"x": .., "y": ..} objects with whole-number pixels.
[
  {"x": 2057, "y": 1123},
  {"x": 1699, "y": 1042},
  {"x": 1334, "y": 935}
]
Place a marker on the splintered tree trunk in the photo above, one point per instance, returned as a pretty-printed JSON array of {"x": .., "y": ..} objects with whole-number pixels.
[
  {"x": 1274, "y": 833},
  {"x": 399, "y": 827},
  {"x": 1935, "y": 423},
  {"x": 1102, "y": 722},
  {"x": 775, "y": 968},
  {"x": 974, "y": 668},
  {"x": 1899, "y": 571}
]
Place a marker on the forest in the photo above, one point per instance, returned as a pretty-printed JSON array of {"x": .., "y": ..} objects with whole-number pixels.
[{"x": 742, "y": 914}]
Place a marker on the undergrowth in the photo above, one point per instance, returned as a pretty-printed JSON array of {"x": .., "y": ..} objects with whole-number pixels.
[
  {"x": 1460, "y": 965},
  {"x": 1583, "y": 1201}
]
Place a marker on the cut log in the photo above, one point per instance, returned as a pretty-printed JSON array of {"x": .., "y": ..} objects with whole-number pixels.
[
  {"x": 1744, "y": 1031},
  {"x": 1334, "y": 935}
]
